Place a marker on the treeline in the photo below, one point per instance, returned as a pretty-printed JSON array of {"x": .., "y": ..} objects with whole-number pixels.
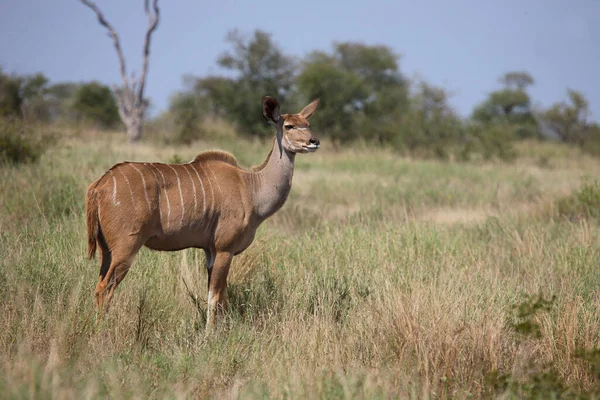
[
  {"x": 29, "y": 105},
  {"x": 34, "y": 99},
  {"x": 364, "y": 96}
]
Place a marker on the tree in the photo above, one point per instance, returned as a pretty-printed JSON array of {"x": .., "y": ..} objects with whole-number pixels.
[
  {"x": 186, "y": 112},
  {"x": 60, "y": 97},
  {"x": 94, "y": 102},
  {"x": 216, "y": 95},
  {"x": 261, "y": 69},
  {"x": 569, "y": 121},
  {"x": 430, "y": 127},
  {"x": 24, "y": 97},
  {"x": 517, "y": 80},
  {"x": 340, "y": 92},
  {"x": 34, "y": 90},
  {"x": 510, "y": 105},
  {"x": 361, "y": 88},
  {"x": 130, "y": 96},
  {"x": 10, "y": 95}
]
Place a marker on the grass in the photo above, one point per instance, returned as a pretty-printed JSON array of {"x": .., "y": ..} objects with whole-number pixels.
[{"x": 381, "y": 277}]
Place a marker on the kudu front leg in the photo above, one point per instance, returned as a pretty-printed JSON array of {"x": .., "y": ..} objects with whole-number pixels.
[{"x": 217, "y": 287}]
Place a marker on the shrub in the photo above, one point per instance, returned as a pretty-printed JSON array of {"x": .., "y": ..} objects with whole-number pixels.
[
  {"x": 488, "y": 141},
  {"x": 95, "y": 103},
  {"x": 591, "y": 143},
  {"x": 20, "y": 142},
  {"x": 584, "y": 203},
  {"x": 542, "y": 380}
]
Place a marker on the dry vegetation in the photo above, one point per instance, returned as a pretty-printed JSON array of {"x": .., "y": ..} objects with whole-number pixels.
[{"x": 381, "y": 277}]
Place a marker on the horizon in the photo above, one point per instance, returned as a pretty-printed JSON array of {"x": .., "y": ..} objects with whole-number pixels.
[{"x": 462, "y": 47}]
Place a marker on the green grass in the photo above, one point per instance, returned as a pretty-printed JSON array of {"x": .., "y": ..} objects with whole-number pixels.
[
  {"x": 381, "y": 277},
  {"x": 584, "y": 203}
]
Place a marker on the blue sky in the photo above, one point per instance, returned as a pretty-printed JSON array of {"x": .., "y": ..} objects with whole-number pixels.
[{"x": 462, "y": 45}]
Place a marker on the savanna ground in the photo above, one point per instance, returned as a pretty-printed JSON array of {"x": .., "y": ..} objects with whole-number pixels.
[{"x": 381, "y": 277}]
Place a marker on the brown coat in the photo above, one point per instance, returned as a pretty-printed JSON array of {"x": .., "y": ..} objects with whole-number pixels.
[{"x": 209, "y": 203}]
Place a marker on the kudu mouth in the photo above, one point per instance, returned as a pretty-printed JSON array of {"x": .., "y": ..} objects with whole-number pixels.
[{"x": 313, "y": 145}]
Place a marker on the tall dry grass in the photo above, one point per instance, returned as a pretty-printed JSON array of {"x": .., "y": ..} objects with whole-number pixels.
[{"x": 381, "y": 277}]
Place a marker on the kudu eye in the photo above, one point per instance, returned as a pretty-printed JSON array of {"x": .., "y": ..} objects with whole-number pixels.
[{"x": 288, "y": 127}]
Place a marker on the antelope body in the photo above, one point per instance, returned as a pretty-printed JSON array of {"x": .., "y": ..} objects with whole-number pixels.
[{"x": 209, "y": 203}]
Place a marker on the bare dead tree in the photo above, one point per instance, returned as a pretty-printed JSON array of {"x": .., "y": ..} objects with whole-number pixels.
[{"x": 130, "y": 96}]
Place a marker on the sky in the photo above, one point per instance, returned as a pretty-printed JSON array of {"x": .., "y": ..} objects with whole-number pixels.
[{"x": 461, "y": 45}]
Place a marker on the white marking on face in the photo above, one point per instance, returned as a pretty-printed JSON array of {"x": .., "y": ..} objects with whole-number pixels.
[
  {"x": 203, "y": 193},
  {"x": 128, "y": 185},
  {"x": 144, "y": 184},
  {"x": 156, "y": 178},
  {"x": 166, "y": 196},
  {"x": 180, "y": 195},
  {"x": 114, "y": 196}
]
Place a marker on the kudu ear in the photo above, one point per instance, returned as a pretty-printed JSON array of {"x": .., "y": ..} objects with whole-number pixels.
[
  {"x": 270, "y": 109},
  {"x": 310, "y": 109}
]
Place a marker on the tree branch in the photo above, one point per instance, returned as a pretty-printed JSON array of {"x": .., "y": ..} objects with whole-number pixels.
[
  {"x": 123, "y": 112},
  {"x": 152, "y": 24},
  {"x": 130, "y": 97},
  {"x": 114, "y": 36}
]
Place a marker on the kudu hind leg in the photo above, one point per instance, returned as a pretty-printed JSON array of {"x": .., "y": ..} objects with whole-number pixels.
[
  {"x": 121, "y": 260},
  {"x": 210, "y": 261},
  {"x": 217, "y": 286},
  {"x": 105, "y": 261}
]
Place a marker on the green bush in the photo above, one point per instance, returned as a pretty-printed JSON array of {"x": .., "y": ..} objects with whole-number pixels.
[
  {"x": 95, "y": 103},
  {"x": 591, "y": 143},
  {"x": 584, "y": 203},
  {"x": 21, "y": 143},
  {"x": 185, "y": 110},
  {"x": 487, "y": 141},
  {"x": 542, "y": 380}
]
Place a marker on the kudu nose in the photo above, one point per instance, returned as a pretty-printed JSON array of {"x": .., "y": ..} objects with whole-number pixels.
[{"x": 315, "y": 141}]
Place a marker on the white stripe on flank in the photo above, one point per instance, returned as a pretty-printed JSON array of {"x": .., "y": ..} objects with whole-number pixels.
[
  {"x": 194, "y": 187},
  {"x": 212, "y": 190},
  {"x": 115, "y": 202},
  {"x": 167, "y": 197},
  {"x": 158, "y": 183},
  {"x": 216, "y": 181},
  {"x": 143, "y": 183},
  {"x": 203, "y": 193},
  {"x": 180, "y": 195},
  {"x": 129, "y": 185}
]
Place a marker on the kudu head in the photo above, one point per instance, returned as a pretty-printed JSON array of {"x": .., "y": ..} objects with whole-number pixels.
[{"x": 293, "y": 130}]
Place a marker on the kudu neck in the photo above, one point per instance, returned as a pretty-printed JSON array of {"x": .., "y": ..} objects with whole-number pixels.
[{"x": 272, "y": 183}]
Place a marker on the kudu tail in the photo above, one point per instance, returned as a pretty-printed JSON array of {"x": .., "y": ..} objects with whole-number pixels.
[{"x": 93, "y": 224}]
